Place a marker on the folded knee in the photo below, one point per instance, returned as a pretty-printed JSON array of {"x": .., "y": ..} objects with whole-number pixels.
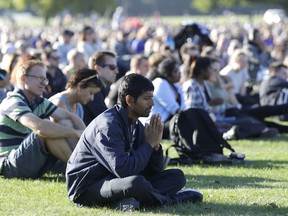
[
  {"x": 140, "y": 183},
  {"x": 66, "y": 123}
]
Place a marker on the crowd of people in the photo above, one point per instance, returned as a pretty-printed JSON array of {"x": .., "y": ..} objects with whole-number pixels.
[{"x": 95, "y": 101}]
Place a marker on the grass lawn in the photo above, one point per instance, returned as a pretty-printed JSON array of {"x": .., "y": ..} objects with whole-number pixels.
[{"x": 259, "y": 188}]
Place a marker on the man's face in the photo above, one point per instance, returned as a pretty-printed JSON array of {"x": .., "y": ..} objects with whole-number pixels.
[
  {"x": 142, "y": 107},
  {"x": 35, "y": 81},
  {"x": 54, "y": 60},
  {"x": 108, "y": 71},
  {"x": 143, "y": 67}
]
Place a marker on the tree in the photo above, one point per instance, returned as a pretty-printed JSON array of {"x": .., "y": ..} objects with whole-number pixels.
[
  {"x": 209, "y": 5},
  {"x": 48, "y": 8}
]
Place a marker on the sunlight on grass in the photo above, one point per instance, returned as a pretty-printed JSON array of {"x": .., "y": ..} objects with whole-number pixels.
[{"x": 259, "y": 188}]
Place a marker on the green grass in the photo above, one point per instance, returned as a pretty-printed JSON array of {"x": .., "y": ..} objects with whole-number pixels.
[{"x": 259, "y": 188}]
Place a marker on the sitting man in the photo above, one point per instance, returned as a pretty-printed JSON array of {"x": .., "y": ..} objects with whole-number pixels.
[
  {"x": 118, "y": 162},
  {"x": 275, "y": 85},
  {"x": 104, "y": 64},
  {"x": 274, "y": 90},
  {"x": 31, "y": 144}
]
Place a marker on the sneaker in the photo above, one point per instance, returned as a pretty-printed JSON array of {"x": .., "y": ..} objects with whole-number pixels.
[
  {"x": 126, "y": 204},
  {"x": 188, "y": 195},
  {"x": 231, "y": 134},
  {"x": 269, "y": 132}
]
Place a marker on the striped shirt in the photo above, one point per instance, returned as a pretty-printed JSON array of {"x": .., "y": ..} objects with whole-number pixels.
[
  {"x": 15, "y": 105},
  {"x": 194, "y": 95}
]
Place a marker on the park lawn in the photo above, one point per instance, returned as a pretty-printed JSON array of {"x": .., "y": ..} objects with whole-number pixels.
[{"x": 258, "y": 188}]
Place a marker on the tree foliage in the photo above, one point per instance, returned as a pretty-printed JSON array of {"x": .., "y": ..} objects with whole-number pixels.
[
  {"x": 209, "y": 5},
  {"x": 48, "y": 8}
]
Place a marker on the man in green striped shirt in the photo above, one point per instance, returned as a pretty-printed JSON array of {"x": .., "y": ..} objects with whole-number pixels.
[{"x": 31, "y": 144}]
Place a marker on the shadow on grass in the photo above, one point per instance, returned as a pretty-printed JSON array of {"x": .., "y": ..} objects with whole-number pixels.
[
  {"x": 280, "y": 138},
  {"x": 264, "y": 164},
  {"x": 219, "y": 181},
  {"x": 210, "y": 208},
  {"x": 53, "y": 178},
  {"x": 249, "y": 164}
]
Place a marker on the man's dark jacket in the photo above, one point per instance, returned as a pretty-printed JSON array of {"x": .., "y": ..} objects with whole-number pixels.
[{"x": 110, "y": 146}]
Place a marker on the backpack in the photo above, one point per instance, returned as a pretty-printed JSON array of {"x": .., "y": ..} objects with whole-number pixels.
[{"x": 196, "y": 138}]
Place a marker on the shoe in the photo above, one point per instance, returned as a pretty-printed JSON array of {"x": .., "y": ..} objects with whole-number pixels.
[
  {"x": 231, "y": 134},
  {"x": 269, "y": 132},
  {"x": 188, "y": 195},
  {"x": 126, "y": 204}
]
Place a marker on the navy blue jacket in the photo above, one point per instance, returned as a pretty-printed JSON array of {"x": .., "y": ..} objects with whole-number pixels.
[
  {"x": 93, "y": 108},
  {"x": 110, "y": 145}
]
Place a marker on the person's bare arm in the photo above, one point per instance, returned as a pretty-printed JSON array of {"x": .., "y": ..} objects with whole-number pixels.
[
  {"x": 62, "y": 114},
  {"x": 59, "y": 103},
  {"x": 46, "y": 128}
]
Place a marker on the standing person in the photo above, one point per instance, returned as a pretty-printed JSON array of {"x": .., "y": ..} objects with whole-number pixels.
[
  {"x": 118, "y": 162},
  {"x": 80, "y": 89},
  {"x": 31, "y": 144},
  {"x": 104, "y": 63}
]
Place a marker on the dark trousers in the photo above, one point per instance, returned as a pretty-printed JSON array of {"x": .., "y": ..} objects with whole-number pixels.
[
  {"x": 263, "y": 112},
  {"x": 148, "y": 190}
]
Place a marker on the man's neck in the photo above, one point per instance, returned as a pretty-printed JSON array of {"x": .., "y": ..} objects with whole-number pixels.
[
  {"x": 30, "y": 97},
  {"x": 132, "y": 116},
  {"x": 103, "y": 82}
]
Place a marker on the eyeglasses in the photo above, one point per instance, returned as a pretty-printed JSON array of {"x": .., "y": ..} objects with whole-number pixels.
[
  {"x": 110, "y": 66},
  {"x": 39, "y": 78}
]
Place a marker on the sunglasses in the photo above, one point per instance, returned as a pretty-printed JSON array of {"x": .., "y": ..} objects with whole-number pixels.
[{"x": 110, "y": 66}]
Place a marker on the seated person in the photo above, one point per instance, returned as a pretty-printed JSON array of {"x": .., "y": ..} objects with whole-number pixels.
[
  {"x": 119, "y": 163},
  {"x": 237, "y": 71},
  {"x": 197, "y": 94},
  {"x": 4, "y": 84},
  {"x": 275, "y": 85},
  {"x": 80, "y": 89},
  {"x": 105, "y": 66},
  {"x": 168, "y": 96},
  {"x": 31, "y": 144}
]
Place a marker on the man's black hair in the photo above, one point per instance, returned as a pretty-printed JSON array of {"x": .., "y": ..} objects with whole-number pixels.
[
  {"x": 133, "y": 85},
  {"x": 167, "y": 67}
]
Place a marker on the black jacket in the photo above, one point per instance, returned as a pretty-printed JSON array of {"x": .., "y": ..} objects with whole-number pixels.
[{"x": 110, "y": 145}]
